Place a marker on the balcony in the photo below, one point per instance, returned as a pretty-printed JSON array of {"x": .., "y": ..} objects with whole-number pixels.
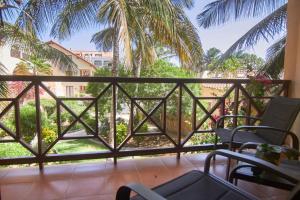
[
  {"x": 179, "y": 116},
  {"x": 101, "y": 180}
]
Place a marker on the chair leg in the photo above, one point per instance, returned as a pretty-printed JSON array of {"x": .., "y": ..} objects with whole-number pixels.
[
  {"x": 235, "y": 181},
  {"x": 215, "y": 145},
  {"x": 228, "y": 169}
]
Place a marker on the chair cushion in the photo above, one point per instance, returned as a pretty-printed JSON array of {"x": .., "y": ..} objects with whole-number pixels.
[
  {"x": 196, "y": 185},
  {"x": 240, "y": 137}
]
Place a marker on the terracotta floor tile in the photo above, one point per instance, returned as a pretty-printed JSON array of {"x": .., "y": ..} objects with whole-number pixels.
[
  {"x": 21, "y": 175},
  {"x": 79, "y": 187},
  {"x": 17, "y": 191},
  {"x": 153, "y": 178},
  {"x": 102, "y": 179},
  {"x": 97, "y": 197},
  {"x": 48, "y": 190}
]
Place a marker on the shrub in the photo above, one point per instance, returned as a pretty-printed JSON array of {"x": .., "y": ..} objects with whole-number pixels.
[
  {"x": 47, "y": 105},
  {"x": 91, "y": 121},
  {"x": 203, "y": 138},
  {"x": 48, "y": 135},
  {"x": 28, "y": 121},
  {"x": 121, "y": 132}
]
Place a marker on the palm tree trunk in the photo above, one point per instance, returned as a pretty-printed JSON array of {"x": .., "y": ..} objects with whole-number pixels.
[
  {"x": 116, "y": 54},
  {"x": 114, "y": 72}
]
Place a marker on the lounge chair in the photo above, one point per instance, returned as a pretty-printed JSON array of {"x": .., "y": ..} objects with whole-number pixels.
[
  {"x": 197, "y": 185},
  {"x": 275, "y": 125}
]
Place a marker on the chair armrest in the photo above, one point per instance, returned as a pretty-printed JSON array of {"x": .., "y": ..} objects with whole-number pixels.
[
  {"x": 222, "y": 118},
  {"x": 253, "y": 161},
  {"x": 295, "y": 140},
  {"x": 123, "y": 192},
  {"x": 248, "y": 145},
  {"x": 234, "y": 131}
]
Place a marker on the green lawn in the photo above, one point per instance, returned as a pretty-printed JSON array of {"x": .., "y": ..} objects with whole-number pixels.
[
  {"x": 77, "y": 146},
  {"x": 12, "y": 150}
]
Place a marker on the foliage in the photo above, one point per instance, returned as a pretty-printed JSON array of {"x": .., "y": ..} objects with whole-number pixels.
[
  {"x": 214, "y": 61},
  {"x": 203, "y": 138},
  {"x": 121, "y": 132},
  {"x": 160, "y": 69},
  {"x": 48, "y": 135},
  {"x": 136, "y": 26},
  {"x": 274, "y": 22},
  {"x": 11, "y": 150},
  {"x": 28, "y": 122}
]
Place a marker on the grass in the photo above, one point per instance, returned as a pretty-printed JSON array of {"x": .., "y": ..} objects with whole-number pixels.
[
  {"x": 78, "y": 146},
  {"x": 12, "y": 150}
]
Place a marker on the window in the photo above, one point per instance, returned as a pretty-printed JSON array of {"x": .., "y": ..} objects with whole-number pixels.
[
  {"x": 85, "y": 72},
  {"x": 98, "y": 63},
  {"x": 106, "y": 63},
  {"x": 98, "y": 55},
  {"x": 15, "y": 52},
  {"x": 69, "y": 73},
  {"x": 82, "y": 89},
  {"x": 69, "y": 91}
]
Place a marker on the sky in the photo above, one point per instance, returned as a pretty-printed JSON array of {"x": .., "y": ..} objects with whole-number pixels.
[{"x": 221, "y": 37}]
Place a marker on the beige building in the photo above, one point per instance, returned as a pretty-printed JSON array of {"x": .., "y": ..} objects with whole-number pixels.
[
  {"x": 84, "y": 69},
  {"x": 98, "y": 58},
  {"x": 10, "y": 56}
]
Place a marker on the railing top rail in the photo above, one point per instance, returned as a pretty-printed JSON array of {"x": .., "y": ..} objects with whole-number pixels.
[{"x": 127, "y": 79}]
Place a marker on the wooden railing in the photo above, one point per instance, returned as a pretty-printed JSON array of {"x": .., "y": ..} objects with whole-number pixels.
[{"x": 194, "y": 114}]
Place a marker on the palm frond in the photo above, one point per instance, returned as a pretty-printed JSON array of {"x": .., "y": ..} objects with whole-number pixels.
[
  {"x": 75, "y": 15},
  {"x": 29, "y": 43},
  {"x": 275, "y": 59},
  {"x": 222, "y": 11},
  {"x": 3, "y": 85},
  {"x": 104, "y": 39},
  {"x": 36, "y": 16},
  {"x": 266, "y": 29},
  {"x": 183, "y": 3},
  {"x": 276, "y": 48}
]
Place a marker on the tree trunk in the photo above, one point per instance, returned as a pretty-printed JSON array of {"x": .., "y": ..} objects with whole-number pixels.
[
  {"x": 136, "y": 70},
  {"x": 114, "y": 72}
]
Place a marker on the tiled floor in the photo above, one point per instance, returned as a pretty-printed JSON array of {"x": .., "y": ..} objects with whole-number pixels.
[{"x": 101, "y": 180}]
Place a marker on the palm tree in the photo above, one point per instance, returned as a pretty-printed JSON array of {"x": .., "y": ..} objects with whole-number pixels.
[
  {"x": 24, "y": 30},
  {"x": 222, "y": 11},
  {"x": 134, "y": 26},
  {"x": 35, "y": 66}
]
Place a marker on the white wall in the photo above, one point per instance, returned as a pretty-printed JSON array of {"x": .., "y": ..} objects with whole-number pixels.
[{"x": 8, "y": 61}]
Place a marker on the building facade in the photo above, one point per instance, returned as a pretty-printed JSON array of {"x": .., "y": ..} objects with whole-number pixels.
[
  {"x": 87, "y": 63},
  {"x": 84, "y": 69},
  {"x": 98, "y": 58}
]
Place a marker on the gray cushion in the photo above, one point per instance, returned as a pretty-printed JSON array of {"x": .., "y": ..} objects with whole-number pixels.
[
  {"x": 195, "y": 185},
  {"x": 240, "y": 137}
]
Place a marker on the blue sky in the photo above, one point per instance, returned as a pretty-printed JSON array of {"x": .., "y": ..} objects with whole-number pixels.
[{"x": 221, "y": 37}]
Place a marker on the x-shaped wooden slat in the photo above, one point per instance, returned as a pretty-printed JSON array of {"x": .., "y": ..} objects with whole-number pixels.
[
  {"x": 148, "y": 116},
  {"x": 77, "y": 118}
]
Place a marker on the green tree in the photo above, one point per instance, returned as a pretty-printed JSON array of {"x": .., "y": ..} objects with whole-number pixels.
[
  {"x": 134, "y": 25},
  {"x": 18, "y": 25},
  {"x": 35, "y": 66},
  {"x": 221, "y": 11}
]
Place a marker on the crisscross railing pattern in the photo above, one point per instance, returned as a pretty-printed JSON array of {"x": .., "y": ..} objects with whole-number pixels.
[{"x": 236, "y": 91}]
